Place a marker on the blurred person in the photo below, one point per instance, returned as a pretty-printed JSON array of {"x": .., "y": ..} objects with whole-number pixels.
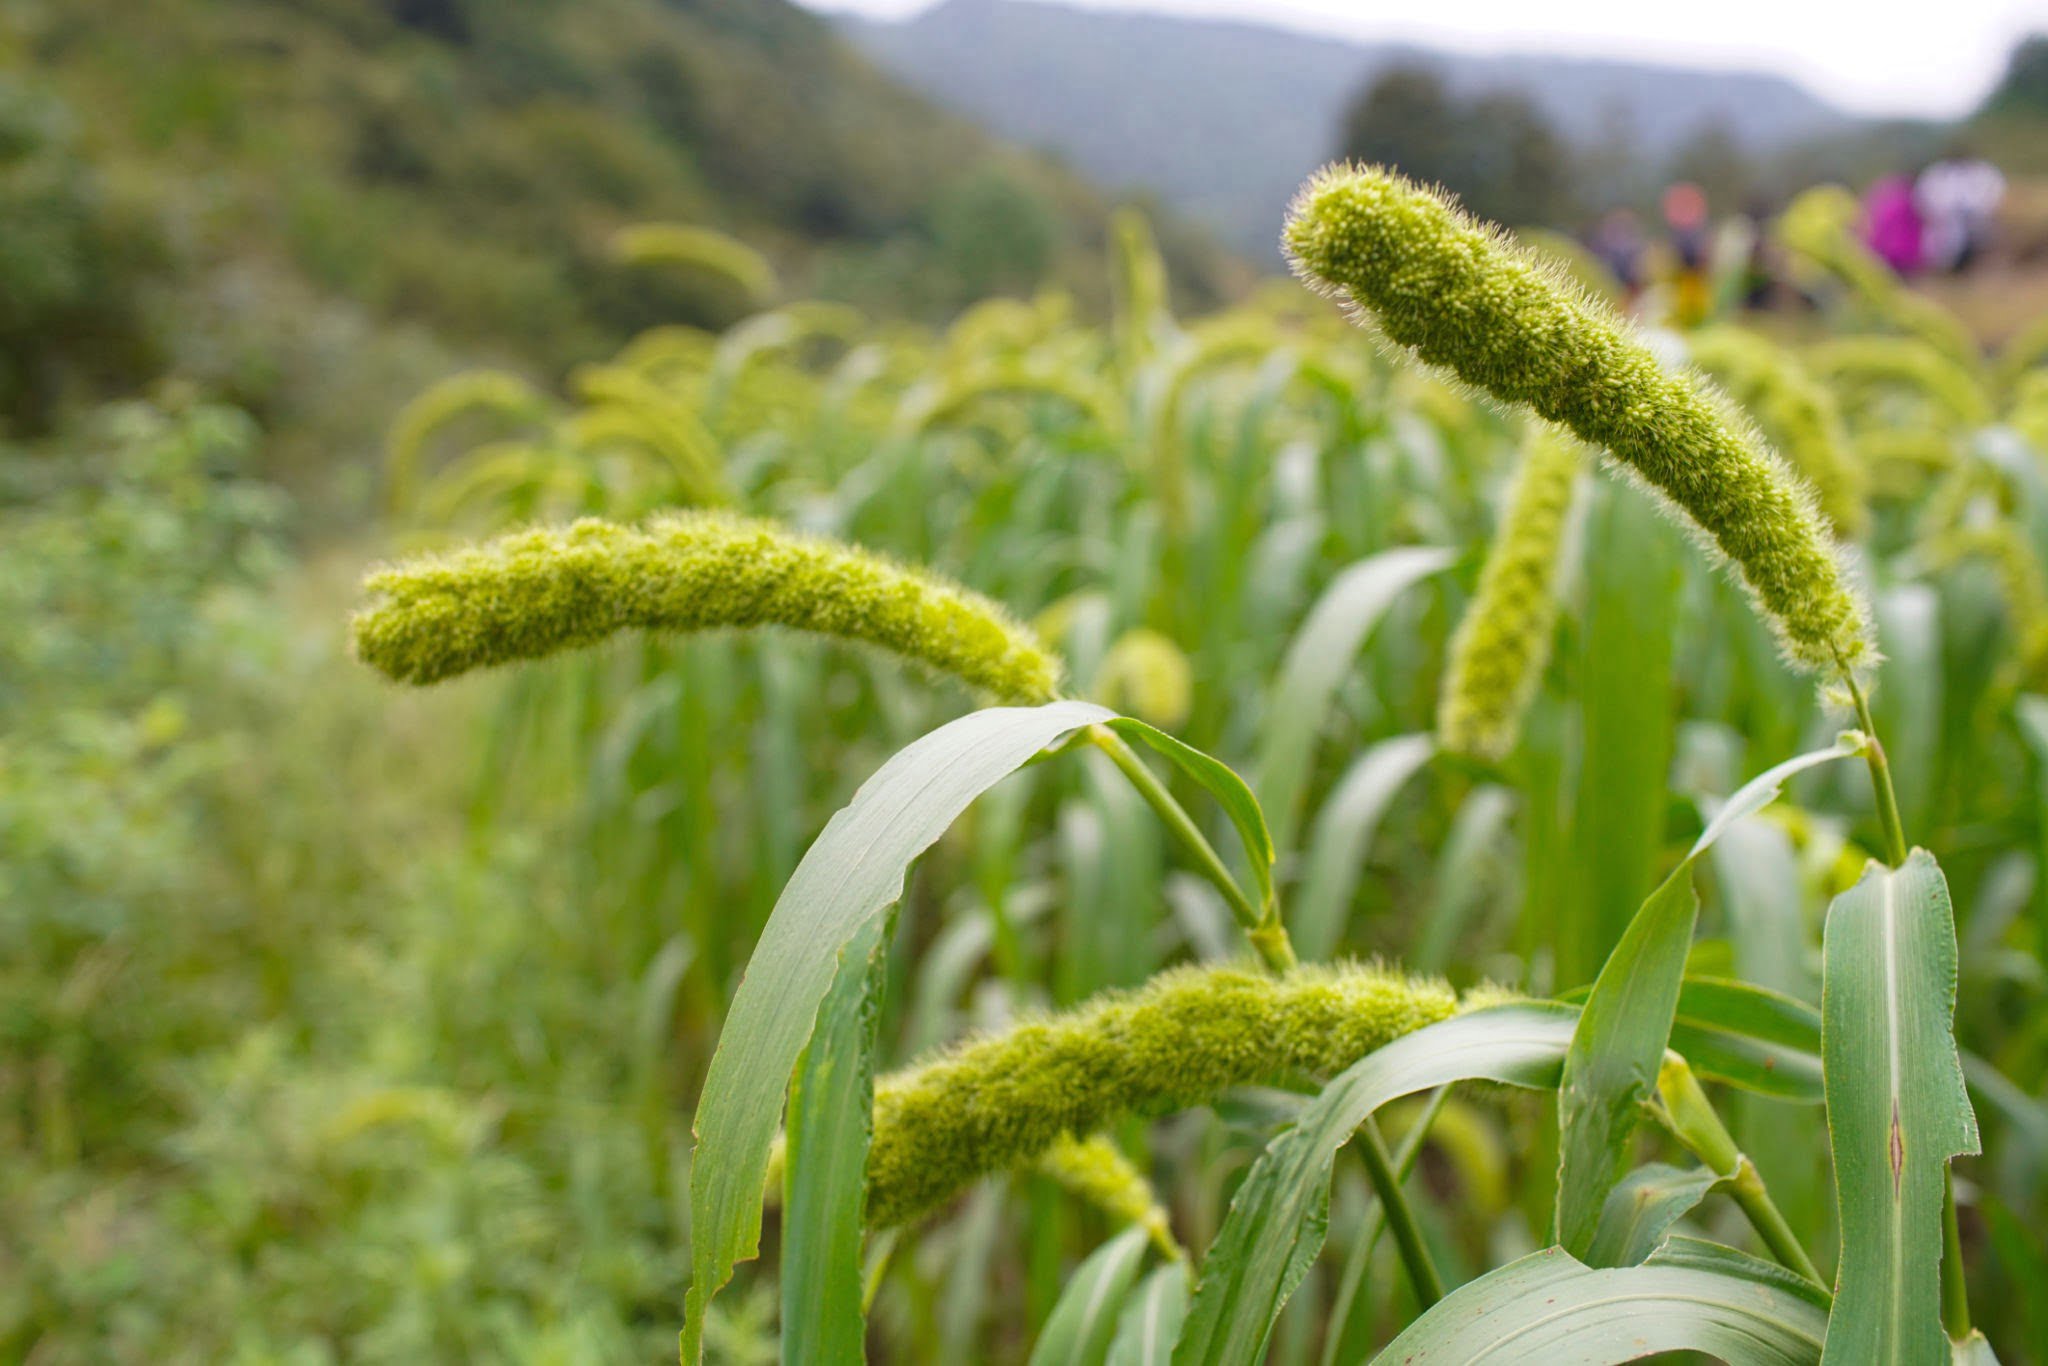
[
  {"x": 1958, "y": 196},
  {"x": 1685, "y": 219},
  {"x": 1892, "y": 225},
  {"x": 1757, "y": 277}
]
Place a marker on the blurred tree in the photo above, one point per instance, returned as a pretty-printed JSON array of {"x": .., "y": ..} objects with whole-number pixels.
[
  {"x": 994, "y": 235},
  {"x": 69, "y": 267},
  {"x": 1714, "y": 160},
  {"x": 1498, "y": 153},
  {"x": 1406, "y": 118}
]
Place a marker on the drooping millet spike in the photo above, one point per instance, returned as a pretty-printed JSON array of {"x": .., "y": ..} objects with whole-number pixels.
[
  {"x": 1796, "y": 411},
  {"x": 1458, "y": 296},
  {"x": 1503, "y": 642},
  {"x": 1182, "y": 1039},
  {"x": 535, "y": 593}
]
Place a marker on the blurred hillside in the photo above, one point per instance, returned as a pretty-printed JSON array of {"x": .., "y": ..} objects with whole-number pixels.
[
  {"x": 309, "y": 209},
  {"x": 1223, "y": 119}
]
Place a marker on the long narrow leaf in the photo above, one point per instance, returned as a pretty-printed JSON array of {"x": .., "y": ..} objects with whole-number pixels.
[
  {"x": 831, "y": 1118},
  {"x": 1152, "y": 1318},
  {"x": 1626, "y": 1023},
  {"x": 1084, "y": 1320},
  {"x": 1550, "y": 1308},
  {"x": 848, "y": 878},
  {"x": 1897, "y": 1108},
  {"x": 1222, "y": 783},
  {"x": 1280, "y": 1215},
  {"x": 1342, "y": 835},
  {"x": 1317, "y": 660},
  {"x": 1749, "y": 1038}
]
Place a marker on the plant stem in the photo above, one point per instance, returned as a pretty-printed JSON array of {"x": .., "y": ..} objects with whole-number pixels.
[
  {"x": 1880, "y": 775},
  {"x": 1372, "y": 1225},
  {"x": 1262, "y": 926},
  {"x": 1692, "y": 1120},
  {"x": 1955, "y": 1291},
  {"x": 1379, "y": 1167},
  {"x": 1748, "y": 1190}
]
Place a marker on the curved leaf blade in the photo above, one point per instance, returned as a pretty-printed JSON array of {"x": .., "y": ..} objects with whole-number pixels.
[
  {"x": 831, "y": 1120},
  {"x": 1317, "y": 660},
  {"x": 1343, "y": 833},
  {"x": 1611, "y": 1069},
  {"x": 1548, "y": 1307},
  {"x": 847, "y": 878},
  {"x": 1220, "y": 781},
  {"x": 1749, "y": 1037},
  {"x": 1152, "y": 1318},
  {"x": 1084, "y": 1320},
  {"x": 1626, "y": 1023},
  {"x": 1281, "y": 1212},
  {"x": 1642, "y": 1209}
]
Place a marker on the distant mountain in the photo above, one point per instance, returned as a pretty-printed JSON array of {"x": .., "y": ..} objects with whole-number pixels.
[{"x": 1223, "y": 119}]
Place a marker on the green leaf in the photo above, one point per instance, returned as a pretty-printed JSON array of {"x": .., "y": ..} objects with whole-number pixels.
[
  {"x": 1612, "y": 1067},
  {"x": 1550, "y": 1308},
  {"x": 1317, "y": 660},
  {"x": 1757, "y": 872},
  {"x": 1626, "y": 1023},
  {"x": 1280, "y": 1215},
  {"x": 1897, "y": 1109},
  {"x": 1343, "y": 833},
  {"x": 1462, "y": 877},
  {"x": 1078, "y": 1331},
  {"x": 1222, "y": 783},
  {"x": 1746, "y": 1036},
  {"x": 1643, "y": 1207},
  {"x": 1152, "y": 1318},
  {"x": 831, "y": 1119},
  {"x": 851, "y": 874},
  {"x": 1627, "y": 708}
]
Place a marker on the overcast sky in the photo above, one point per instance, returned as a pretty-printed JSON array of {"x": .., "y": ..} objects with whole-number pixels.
[{"x": 1872, "y": 56}]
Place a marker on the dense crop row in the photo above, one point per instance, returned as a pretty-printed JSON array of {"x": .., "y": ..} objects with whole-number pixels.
[{"x": 1490, "y": 707}]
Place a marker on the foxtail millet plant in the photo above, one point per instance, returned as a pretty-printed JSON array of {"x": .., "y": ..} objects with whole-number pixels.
[
  {"x": 1043, "y": 1094},
  {"x": 503, "y": 396},
  {"x": 1180, "y": 1040},
  {"x": 1503, "y": 642},
  {"x": 1097, "y": 1171},
  {"x": 1795, "y": 411},
  {"x": 1904, "y": 362},
  {"x": 534, "y": 593},
  {"x": 694, "y": 247},
  {"x": 1460, "y": 297}
]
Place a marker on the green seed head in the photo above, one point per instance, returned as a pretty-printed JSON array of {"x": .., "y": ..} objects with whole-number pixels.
[
  {"x": 1096, "y": 1170},
  {"x": 536, "y": 593},
  {"x": 1503, "y": 642},
  {"x": 1180, "y": 1040},
  {"x": 1798, "y": 413},
  {"x": 1457, "y": 296},
  {"x": 1820, "y": 226},
  {"x": 484, "y": 392},
  {"x": 1904, "y": 363}
]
